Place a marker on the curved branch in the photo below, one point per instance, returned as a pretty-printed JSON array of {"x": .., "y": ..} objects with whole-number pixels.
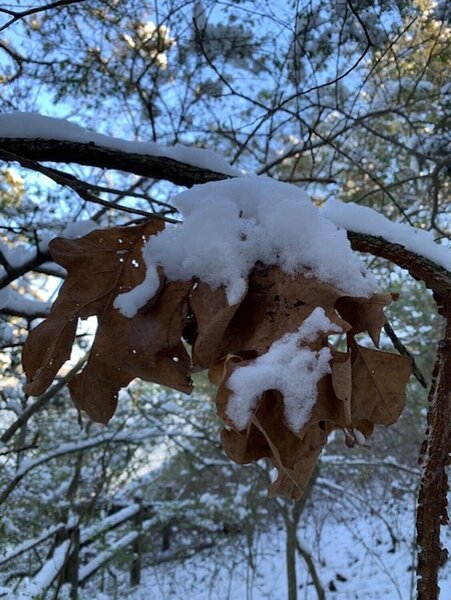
[
  {"x": 13, "y": 273},
  {"x": 435, "y": 454},
  {"x": 432, "y": 497},
  {"x": 435, "y": 277},
  {"x": 79, "y": 187},
  {"x": 72, "y": 448}
]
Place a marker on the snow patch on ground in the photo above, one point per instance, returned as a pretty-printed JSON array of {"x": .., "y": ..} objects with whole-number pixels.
[{"x": 354, "y": 557}]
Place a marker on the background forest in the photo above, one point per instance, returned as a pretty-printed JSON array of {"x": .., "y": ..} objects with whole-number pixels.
[{"x": 350, "y": 100}]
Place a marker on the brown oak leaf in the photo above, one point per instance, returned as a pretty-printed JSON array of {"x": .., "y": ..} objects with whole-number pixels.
[
  {"x": 341, "y": 379},
  {"x": 365, "y": 387},
  {"x": 378, "y": 386},
  {"x": 268, "y": 437},
  {"x": 277, "y": 303},
  {"x": 365, "y": 314},
  {"x": 212, "y": 315},
  {"x": 99, "y": 267},
  {"x": 147, "y": 346}
]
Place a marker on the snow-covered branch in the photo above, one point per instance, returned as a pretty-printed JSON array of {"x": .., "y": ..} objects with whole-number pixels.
[
  {"x": 48, "y": 573},
  {"x": 364, "y": 220},
  {"x": 15, "y": 304},
  {"x": 30, "y": 544},
  {"x": 87, "y": 534},
  {"x": 74, "y": 447},
  {"x": 41, "y": 402},
  {"x": 389, "y": 462},
  {"x": 103, "y": 557},
  {"x": 40, "y": 138},
  {"x": 435, "y": 276}
]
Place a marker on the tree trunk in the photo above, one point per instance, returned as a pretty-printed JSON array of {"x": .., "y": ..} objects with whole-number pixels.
[
  {"x": 135, "y": 570},
  {"x": 73, "y": 563},
  {"x": 291, "y": 559},
  {"x": 312, "y": 570},
  {"x": 291, "y": 514},
  {"x": 432, "y": 497}
]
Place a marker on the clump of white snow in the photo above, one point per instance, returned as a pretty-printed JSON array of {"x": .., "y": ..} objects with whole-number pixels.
[
  {"x": 130, "y": 302},
  {"x": 362, "y": 219},
  {"x": 230, "y": 225},
  {"x": 290, "y": 367}
]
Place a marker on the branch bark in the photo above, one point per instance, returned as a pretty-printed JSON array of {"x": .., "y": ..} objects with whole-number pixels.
[
  {"x": 312, "y": 569},
  {"x": 432, "y": 498},
  {"x": 17, "y": 16},
  {"x": 435, "y": 277},
  {"x": 90, "y": 154},
  {"x": 33, "y": 264}
]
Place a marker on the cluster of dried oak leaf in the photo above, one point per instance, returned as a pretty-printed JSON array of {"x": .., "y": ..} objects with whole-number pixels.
[{"x": 366, "y": 386}]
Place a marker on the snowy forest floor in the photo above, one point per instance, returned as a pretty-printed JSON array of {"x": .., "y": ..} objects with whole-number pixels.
[{"x": 355, "y": 559}]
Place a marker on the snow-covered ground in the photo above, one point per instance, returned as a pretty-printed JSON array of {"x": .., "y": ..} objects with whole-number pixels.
[{"x": 355, "y": 560}]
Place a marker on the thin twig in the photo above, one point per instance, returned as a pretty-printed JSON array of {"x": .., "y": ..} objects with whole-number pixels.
[
  {"x": 404, "y": 352},
  {"x": 17, "y": 16},
  {"x": 78, "y": 186}
]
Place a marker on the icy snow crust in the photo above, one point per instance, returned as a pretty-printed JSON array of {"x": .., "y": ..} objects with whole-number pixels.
[
  {"x": 288, "y": 367},
  {"x": 22, "y": 125},
  {"x": 230, "y": 225}
]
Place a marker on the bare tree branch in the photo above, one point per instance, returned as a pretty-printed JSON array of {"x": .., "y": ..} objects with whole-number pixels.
[
  {"x": 74, "y": 448},
  {"x": 17, "y": 16},
  {"x": 35, "y": 313},
  {"x": 80, "y": 187},
  {"x": 13, "y": 273}
]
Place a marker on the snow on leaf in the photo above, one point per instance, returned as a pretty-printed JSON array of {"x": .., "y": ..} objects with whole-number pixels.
[
  {"x": 359, "y": 392},
  {"x": 277, "y": 303},
  {"x": 289, "y": 366},
  {"x": 231, "y": 225}
]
